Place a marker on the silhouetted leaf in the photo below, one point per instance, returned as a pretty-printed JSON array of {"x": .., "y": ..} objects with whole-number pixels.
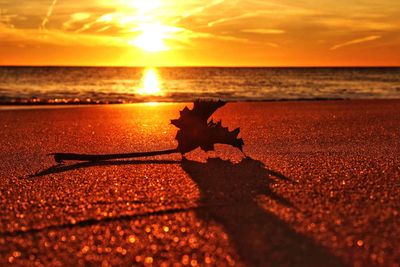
[{"x": 196, "y": 131}]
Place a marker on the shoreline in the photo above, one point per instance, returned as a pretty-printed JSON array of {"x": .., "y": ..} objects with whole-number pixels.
[{"x": 46, "y": 105}]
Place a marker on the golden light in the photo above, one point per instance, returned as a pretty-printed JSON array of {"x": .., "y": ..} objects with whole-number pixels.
[
  {"x": 151, "y": 38},
  {"x": 141, "y": 6},
  {"x": 150, "y": 85},
  {"x": 151, "y": 33}
]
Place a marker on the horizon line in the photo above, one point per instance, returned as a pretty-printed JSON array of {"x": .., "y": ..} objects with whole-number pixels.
[{"x": 206, "y": 66}]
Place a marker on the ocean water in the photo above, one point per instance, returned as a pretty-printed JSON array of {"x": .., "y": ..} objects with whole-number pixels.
[{"x": 42, "y": 85}]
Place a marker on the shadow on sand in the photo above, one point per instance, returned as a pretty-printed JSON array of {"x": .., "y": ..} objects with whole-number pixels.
[
  {"x": 260, "y": 237},
  {"x": 59, "y": 168}
]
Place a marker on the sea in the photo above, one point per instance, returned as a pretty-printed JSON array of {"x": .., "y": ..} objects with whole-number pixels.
[{"x": 106, "y": 85}]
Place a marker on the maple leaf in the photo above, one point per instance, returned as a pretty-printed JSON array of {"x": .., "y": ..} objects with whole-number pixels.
[{"x": 195, "y": 129}]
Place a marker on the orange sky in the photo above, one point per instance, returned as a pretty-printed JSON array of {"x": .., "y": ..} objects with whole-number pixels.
[{"x": 205, "y": 33}]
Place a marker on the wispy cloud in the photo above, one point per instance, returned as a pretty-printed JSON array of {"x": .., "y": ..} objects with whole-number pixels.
[
  {"x": 103, "y": 29},
  {"x": 242, "y": 16},
  {"x": 74, "y": 19},
  {"x": 356, "y": 41},
  {"x": 351, "y": 23},
  {"x": 8, "y": 19},
  {"x": 57, "y": 37},
  {"x": 48, "y": 15},
  {"x": 202, "y": 8},
  {"x": 264, "y": 31}
]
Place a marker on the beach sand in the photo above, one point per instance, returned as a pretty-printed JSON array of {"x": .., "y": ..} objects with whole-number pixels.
[{"x": 319, "y": 187}]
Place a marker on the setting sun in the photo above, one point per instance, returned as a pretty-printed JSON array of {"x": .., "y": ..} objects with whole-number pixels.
[
  {"x": 150, "y": 84},
  {"x": 151, "y": 38},
  {"x": 150, "y": 30}
]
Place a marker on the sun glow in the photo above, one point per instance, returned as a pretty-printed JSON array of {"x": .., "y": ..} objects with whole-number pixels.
[
  {"x": 141, "y": 6},
  {"x": 151, "y": 38},
  {"x": 150, "y": 30},
  {"x": 150, "y": 85}
]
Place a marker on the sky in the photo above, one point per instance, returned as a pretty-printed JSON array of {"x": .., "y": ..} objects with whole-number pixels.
[{"x": 200, "y": 33}]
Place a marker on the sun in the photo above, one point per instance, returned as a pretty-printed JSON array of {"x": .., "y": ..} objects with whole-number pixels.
[
  {"x": 153, "y": 35},
  {"x": 151, "y": 32},
  {"x": 151, "y": 38},
  {"x": 145, "y": 23}
]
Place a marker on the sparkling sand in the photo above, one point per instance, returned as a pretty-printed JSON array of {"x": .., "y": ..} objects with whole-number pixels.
[{"x": 320, "y": 187}]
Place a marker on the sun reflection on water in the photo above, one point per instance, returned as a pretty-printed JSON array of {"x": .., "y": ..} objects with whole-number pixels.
[{"x": 150, "y": 84}]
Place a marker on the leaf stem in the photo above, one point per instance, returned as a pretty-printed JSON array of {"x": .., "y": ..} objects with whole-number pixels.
[{"x": 60, "y": 157}]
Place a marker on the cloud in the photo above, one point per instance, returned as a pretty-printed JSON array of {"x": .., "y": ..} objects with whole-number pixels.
[
  {"x": 7, "y": 19},
  {"x": 356, "y": 41},
  {"x": 105, "y": 28},
  {"x": 274, "y": 45},
  {"x": 202, "y": 8},
  {"x": 59, "y": 38},
  {"x": 74, "y": 19},
  {"x": 48, "y": 15},
  {"x": 351, "y": 23},
  {"x": 264, "y": 31},
  {"x": 242, "y": 16}
]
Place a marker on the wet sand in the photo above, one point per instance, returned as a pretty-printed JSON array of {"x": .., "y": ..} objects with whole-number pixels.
[{"x": 319, "y": 187}]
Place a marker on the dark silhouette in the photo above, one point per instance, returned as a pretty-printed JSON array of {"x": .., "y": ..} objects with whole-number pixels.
[
  {"x": 260, "y": 237},
  {"x": 195, "y": 130},
  {"x": 60, "y": 157},
  {"x": 58, "y": 168}
]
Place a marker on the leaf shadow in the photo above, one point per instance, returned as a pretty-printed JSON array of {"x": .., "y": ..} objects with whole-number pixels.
[{"x": 260, "y": 237}]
